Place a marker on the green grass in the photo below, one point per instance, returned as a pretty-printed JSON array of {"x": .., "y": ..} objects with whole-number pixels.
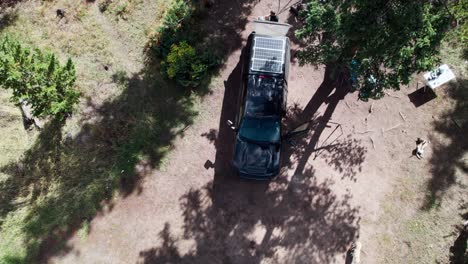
[
  {"x": 15, "y": 139},
  {"x": 53, "y": 181},
  {"x": 452, "y": 54}
]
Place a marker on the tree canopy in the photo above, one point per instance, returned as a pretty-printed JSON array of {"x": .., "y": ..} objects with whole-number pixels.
[
  {"x": 382, "y": 42},
  {"x": 37, "y": 78}
]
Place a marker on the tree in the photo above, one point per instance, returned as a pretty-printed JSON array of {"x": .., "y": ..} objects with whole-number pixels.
[
  {"x": 381, "y": 42},
  {"x": 38, "y": 79}
]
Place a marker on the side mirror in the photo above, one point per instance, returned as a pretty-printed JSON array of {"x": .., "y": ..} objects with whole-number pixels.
[
  {"x": 300, "y": 130},
  {"x": 231, "y": 125}
]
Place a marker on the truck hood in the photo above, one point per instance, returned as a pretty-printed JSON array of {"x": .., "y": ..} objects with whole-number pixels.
[{"x": 256, "y": 159}]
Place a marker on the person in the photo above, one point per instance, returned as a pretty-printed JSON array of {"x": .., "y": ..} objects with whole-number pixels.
[{"x": 272, "y": 17}]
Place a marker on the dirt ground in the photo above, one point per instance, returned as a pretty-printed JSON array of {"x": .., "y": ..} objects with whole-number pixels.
[{"x": 344, "y": 181}]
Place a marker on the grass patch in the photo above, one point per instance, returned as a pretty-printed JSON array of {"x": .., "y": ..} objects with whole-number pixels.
[
  {"x": 15, "y": 139},
  {"x": 452, "y": 54},
  {"x": 84, "y": 230}
]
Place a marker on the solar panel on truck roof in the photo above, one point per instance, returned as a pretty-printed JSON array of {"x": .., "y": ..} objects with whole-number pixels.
[{"x": 268, "y": 55}]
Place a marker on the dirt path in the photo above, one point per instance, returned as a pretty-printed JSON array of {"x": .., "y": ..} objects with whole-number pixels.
[{"x": 195, "y": 211}]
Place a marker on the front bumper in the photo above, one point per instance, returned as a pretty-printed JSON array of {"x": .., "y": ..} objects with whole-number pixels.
[{"x": 257, "y": 177}]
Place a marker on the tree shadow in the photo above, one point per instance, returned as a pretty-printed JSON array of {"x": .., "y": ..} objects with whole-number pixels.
[
  {"x": 7, "y": 17},
  {"x": 346, "y": 156},
  {"x": 326, "y": 138},
  {"x": 236, "y": 221},
  {"x": 9, "y": 3},
  {"x": 458, "y": 252},
  {"x": 449, "y": 158},
  {"x": 223, "y": 24},
  {"x": 248, "y": 223},
  {"x": 76, "y": 175},
  {"x": 211, "y": 135}
]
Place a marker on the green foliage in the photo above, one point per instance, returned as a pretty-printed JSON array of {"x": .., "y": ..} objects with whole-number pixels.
[
  {"x": 388, "y": 40},
  {"x": 185, "y": 66},
  {"x": 37, "y": 78},
  {"x": 173, "y": 29},
  {"x": 459, "y": 36},
  {"x": 173, "y": 43}
]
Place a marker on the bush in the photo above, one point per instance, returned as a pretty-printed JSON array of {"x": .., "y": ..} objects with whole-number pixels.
[
  {"x": 184, "y": 65},
  {"x": 37, "y": 78},
  {"x": 174, "y": 28},
  {"x": 173, "y": 44}
]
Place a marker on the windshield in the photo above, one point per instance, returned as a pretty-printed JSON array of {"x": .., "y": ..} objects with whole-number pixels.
[
  {"x": 264, "y": 96},
  {"x": 260, "y": 129}
]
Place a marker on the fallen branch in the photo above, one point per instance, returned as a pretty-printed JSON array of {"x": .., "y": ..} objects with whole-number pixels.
[
  {"x": 364, "y": 132},
  {"x": 456, "y": 123},
  {"x": 28, "y": 116},
  {"x": 402, "y": 116},
  {"x": 373, "y": 145},
  {"x": 353, "y": 255},
  {"x": 393, "y": 127}
]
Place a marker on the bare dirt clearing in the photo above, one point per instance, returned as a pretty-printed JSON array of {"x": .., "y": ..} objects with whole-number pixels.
[{"x": 353, "y": 176}]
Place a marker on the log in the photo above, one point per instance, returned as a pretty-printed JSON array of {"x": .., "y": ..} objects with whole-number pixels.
[
  {"x": 402, "y": 116},
  {"x": 456, "y": 123},
  {"x": 372, "y": 140},
  {"x": 28, "y": 116},
  {"x": 364, "y": 132},
  {"x": 393, "y": 127},
  {"x": 26, "y": 110},
  {"x": 353, "y": 256},
  {"x": 357, "y": 253}
]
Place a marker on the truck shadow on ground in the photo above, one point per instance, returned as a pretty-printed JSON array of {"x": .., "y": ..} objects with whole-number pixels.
[{"x": 235, "y": 221}]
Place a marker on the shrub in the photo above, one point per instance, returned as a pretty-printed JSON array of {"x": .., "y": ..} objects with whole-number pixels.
[
  {"x": 104, "y": 5},
  {"x": 184, "y": 65},
  {"x": 37, "y": 78},
  {"x": 174, "y": 28}
]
